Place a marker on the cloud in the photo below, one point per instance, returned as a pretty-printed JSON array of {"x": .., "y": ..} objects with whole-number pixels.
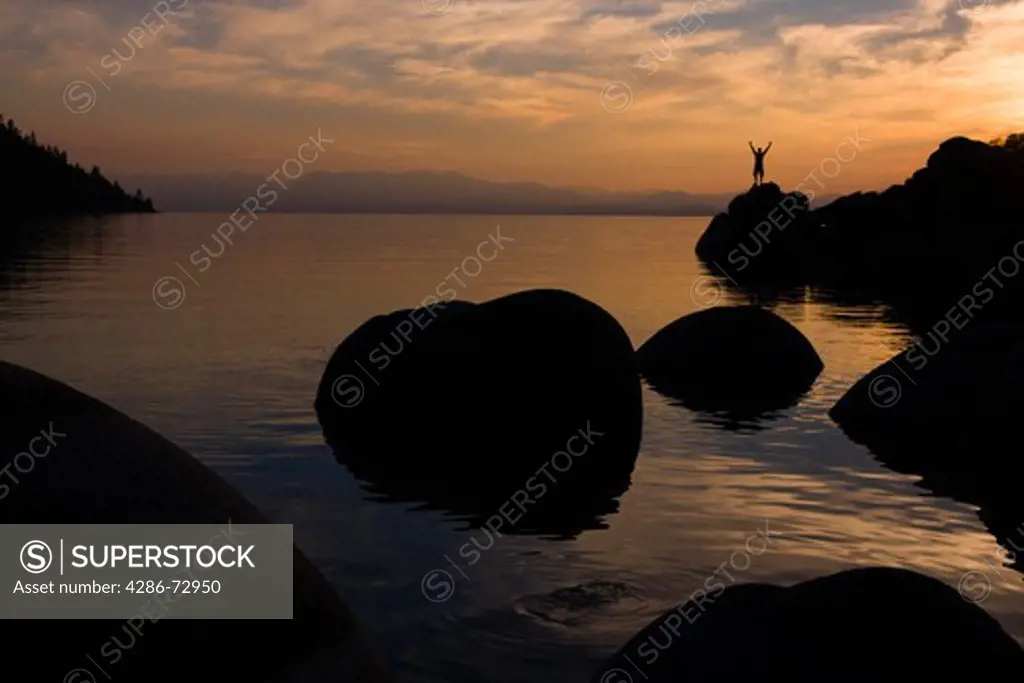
[
  {"x": 482, "y": 49},
  {"x": 494, "y": 72}
]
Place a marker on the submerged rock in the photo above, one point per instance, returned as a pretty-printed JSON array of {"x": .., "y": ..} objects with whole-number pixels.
[
  {"x": 105, "y": 468},
  {"x": 743, "y": 360},
  {"x": 852, "y": 626},
  {"x": 462, "y": 405}
]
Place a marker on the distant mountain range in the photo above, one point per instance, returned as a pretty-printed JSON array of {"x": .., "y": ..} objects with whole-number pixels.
[
  {"x": 412, "y": 192},
  {"x": 415, "y": 192}
]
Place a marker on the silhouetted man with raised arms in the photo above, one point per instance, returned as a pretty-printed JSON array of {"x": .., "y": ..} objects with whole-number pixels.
[{"x": 759, "y": 161}]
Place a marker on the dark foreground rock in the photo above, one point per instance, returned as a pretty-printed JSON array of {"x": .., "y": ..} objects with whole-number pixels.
[
  {"x": 106, "y": 468},
  {"x": 856, "y": 625},
  {"x": 741, "y": 360},
  {"x": 462, "y": 405}
]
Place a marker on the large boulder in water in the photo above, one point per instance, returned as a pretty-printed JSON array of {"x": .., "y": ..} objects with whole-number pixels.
[
  {"x": 741, "y": 360},
  {"x": 948, "y": 412},
  {"x": 109, "y": 469},
  {"x": 764, "y": 235},
  {"x": 462, "y": 405},
  {"x": 936, "y": 392},
  {"x": 853, "y": 625}
]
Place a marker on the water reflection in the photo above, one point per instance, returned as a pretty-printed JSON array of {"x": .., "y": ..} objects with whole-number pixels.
[
  {"x": 840, "y": 305},
  {"x": 751, "y": 419},
  {"x": 477, "y": 499},
  {"x": 44, "y": 249},
  {"x": 728, "y": 407},
  {"x": 955, "y": 475},
  {"x": 229, "y": 375}
]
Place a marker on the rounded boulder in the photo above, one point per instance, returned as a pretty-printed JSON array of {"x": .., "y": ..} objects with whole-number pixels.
[
  {"x": 730, "y": 358},
  {"x": 462, "y": 405}
]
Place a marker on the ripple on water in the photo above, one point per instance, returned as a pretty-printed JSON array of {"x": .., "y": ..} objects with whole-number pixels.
[{"x": 573, "y": 605}]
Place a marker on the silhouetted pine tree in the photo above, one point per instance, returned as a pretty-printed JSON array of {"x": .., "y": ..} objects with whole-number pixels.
[{"x": 37, "y": 181}]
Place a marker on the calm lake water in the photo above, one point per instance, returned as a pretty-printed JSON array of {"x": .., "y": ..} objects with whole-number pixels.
[{"x": 230, "y": 374}]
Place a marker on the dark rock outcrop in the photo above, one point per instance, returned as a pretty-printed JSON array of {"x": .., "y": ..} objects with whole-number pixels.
[
  {"x": 849, "y": 626},
  {"x": 764, "y": 235},
  {"x": 928, "y": 241},
  {"x": 949, "y": 413},
  {"x": 110, "y": 469},
  {"x": 462, "y": 405},
  {"x": 744, "y": 361},
  {"x": 919, "y": 246},
  {"x": 936, "y": 393}
]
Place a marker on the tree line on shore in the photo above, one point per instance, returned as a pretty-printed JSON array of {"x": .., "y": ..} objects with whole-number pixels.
[{"x": 40, "y": 182}]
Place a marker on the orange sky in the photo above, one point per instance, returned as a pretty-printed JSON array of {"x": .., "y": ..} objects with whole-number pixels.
[{"x": 505, "y": 90}]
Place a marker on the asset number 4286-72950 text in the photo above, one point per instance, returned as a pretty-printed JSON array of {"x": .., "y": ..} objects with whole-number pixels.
[{"x": 174, "y": 586}]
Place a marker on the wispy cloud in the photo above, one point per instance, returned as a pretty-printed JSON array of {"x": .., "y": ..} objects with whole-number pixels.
[{"x": 510, "y": 89}]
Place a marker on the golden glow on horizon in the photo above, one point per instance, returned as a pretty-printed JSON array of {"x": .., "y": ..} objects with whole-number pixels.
[{"x": 512, "y": 91}]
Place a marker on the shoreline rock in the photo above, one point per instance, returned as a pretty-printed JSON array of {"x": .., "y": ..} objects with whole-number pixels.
[
  {"x": 919, "y": 246},
  {"x": 111, "y": 469}
]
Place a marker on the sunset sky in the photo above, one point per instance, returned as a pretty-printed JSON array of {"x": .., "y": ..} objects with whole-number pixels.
[{"x": 516, "y": 89}]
